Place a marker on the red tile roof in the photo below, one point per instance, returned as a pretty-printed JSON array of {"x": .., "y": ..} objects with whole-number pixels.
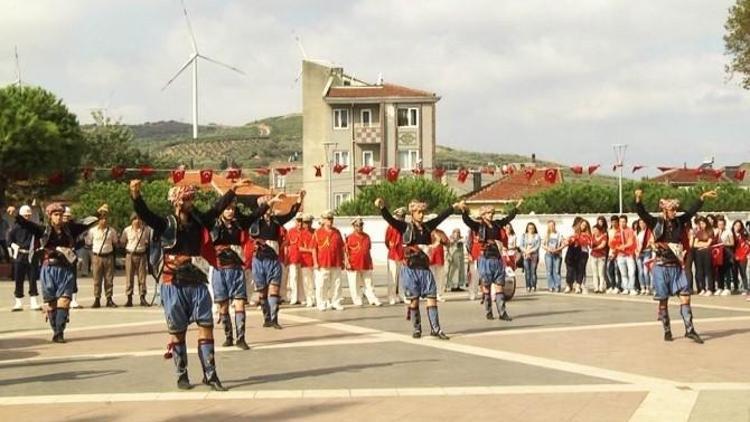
[
  {"x": 514, "y": 187},
  {"x": 379, "y": 91},
  {"x": 686, "y": 176}
]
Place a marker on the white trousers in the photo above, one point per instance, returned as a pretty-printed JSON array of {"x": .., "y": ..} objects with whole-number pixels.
[
  {"x": 295, "y": 283},
  {"x": 327, "y": 287},
  {"x": 358, "y": 278},
  {"x": 473, "y": 285},
  {"x": 394, "y": 268},
  {"x": 438, "y": 271}
]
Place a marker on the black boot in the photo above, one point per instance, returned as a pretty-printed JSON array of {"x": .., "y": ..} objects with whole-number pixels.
[
  {"x": 178, "y": 352},
  {"x": 693, "y": 335},
  {"x": 97, "y": 303},
  {"x": 436, "y": 331},
  {"x": 500, "y": 303},
  {"x": 144, "y": 302},
  {"x": 226, "y": 321},
  {"x": 663, "y": 316},
  {"x": 239, "y": 322},
  {"x": 416, "y": 319},
  {"x": 273, "y": 309},
  {"x": 111, "y": 303},
  {"x": 61, "y": 320},
  {"x": 128, "y": 304},
  {"x": 266, "y": 310},
  {"x": 206, "y": 355},
  {"x": 487, "y": 305}
]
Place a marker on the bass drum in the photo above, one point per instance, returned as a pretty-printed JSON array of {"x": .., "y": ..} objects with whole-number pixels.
[{"x": 509, "y": 290}]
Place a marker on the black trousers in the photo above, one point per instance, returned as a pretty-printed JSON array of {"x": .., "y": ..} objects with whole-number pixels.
[
  {"x": 24, "y": 270},
  {"x": 704, "y": 271}
]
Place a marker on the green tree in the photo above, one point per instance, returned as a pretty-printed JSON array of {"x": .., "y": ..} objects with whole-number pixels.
[
  {"x": 398, "y": 194},
  {"x": 737, "y": 41},
  {"x": 38, "y": 135}
]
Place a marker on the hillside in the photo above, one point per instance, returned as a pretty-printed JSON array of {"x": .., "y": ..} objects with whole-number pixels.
[{"x": 273, "y": 139}]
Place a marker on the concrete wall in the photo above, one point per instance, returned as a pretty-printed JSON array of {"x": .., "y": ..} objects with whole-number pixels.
[{"x": 316, "y": 124}]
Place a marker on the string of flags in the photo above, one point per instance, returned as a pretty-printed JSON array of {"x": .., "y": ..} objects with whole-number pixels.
[{"x": 391, "y": 174}]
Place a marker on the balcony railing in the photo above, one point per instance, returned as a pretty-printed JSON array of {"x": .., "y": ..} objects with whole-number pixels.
[{"x": 365, "y": 134}]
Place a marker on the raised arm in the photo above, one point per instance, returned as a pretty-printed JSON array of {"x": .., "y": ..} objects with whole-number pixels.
[
  {"x": 388, "y": 217},
  {"x": 644, "y": 215},
  {"x": 77, "y": 229},
  {"x": 36, "y": 229},
  {"x": 247, "y": 220},
  {"x": 208, "y": 218},
  {"x": 508, "y": 218},
  {"x": 283, "y": 219},
  {"x": 473, "y": 225},
  {"x": 435, "y": 222},
  {"x": 688, "y": 215},
  {"x": 158, "y": 224}
]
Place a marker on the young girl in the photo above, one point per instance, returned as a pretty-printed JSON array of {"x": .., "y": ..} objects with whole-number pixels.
[
  {"x": 553, "y": 245},
  {"x": 530, "y": 243},
  {"x": 599, "y": 256},
  {"x": 645, "y": 240},
  {"x": 741, "y": 252}
]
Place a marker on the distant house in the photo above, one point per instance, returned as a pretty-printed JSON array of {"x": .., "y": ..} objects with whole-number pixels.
[
  {"x": 511, "y": 188},
  {"x": 731, "y": 172},
  {"x": 687, "y": 177}
]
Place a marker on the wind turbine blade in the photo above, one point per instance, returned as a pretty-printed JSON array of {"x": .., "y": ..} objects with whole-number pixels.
[
  {"x": 18, "y": 67},
  {"x": 190, "y": 60},
  {"x": 299, "y": 76},
  {"x": 299, "y": 45},
  {"x": 222, "y": 64},
  {"x": 190, "y": 27}
]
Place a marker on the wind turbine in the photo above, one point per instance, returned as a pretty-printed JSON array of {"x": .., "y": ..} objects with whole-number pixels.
[
  {"x": 18, "y": 69},
  {"x": 194, "y": 61},
  {"x": 298, "y": 40}
]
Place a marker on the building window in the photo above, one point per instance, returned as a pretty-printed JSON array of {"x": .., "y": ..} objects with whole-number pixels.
[
  {"x": 368, "y": 158},
  {"x": 408, "y": 117},
  {"x": 280, "y": 182},
  {"x": 340, "y": 198},
  {"x": 340, "y": 118},
  {"x": 341, "y": 158},
  {"x": 408, "y": 158},
  {"x": 366, "y": 116}
]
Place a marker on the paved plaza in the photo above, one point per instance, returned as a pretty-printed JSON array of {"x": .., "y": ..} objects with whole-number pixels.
[{"x": 562, "y": 358}]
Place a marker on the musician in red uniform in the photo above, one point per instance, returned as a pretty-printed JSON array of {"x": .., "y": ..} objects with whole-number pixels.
[
  {"x": 359, "y": 264},
  {"x": 395, "y": 246},
  {"x": 307, "y": 262},
  {"x": 294, "y": 261},
  {"x": 329, "y": 261}
]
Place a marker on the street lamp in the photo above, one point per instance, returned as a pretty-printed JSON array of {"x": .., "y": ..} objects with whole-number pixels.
[
  {"x": 329, "y": 158},
  {"x": 620, "y": 150}
]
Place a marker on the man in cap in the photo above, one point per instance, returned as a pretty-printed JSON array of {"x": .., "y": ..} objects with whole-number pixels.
[
  {"x": 136, "y": 238},
  {"x": 23, "y": 245},
  {"x": 668, "y": 274},
  {"x": 307, "y": 262},
  {"x": 419, "y": 282},
  {"x": 267, "y": 271},
  {"x": 329, "y": 261},
  {"x": 184, "y": 293},
  {"x": 359, "y": 264},
  {"x": 395, "y": 246},
  {"x": 57, "y": 240},
  {"x": 490, "y": 266},
  {"x": 294, "y": 261},
  {"x": 103, "y": 240}
]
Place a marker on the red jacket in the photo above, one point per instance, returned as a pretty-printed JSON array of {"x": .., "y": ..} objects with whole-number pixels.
[
  {"x": 293, "y": 236},
  {"x": 358, "y": 247},
  {"x": 329, "y": 247},
  {"x": 394, "y": 243}
]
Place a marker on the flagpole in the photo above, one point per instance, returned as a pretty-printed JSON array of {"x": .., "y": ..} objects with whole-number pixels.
[{"x": 620, "y": 157}]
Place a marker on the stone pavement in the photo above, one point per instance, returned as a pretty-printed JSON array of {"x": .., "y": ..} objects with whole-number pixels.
[{"x": 562, "y": 358}]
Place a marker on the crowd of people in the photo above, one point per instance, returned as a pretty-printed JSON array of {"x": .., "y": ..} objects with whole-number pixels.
[{"x": 664, "y": 256}]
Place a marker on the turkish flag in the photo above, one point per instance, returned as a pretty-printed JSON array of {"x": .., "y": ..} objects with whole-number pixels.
[
  {"x": 511, "y": 169},
  {"x": 146, "y": 171},
  {"x": 338, "y": 168},
  {"x": 664, "y": 169},
  {"x": 178, "y": 175},
  {"x": 419, "y": 171},
  {"x": 489, "y": 170},
  {"x": 740, "y": 175},
  {"x": 118, "y": 172},
  {"x": 206, "y": 176},
  {"x": 318, "y": 171},
  {"x": 366, "y": 170},
  {"x": 593, "y": 168},
  {"x": 636, "y": 168},
  {"x": 234, "y": 173},
  {"x": 392, "y": 174},
  {"x": 263, "y": 171},
  {"x": 55, "y": 178},
  {"x": 283, "y": 170},
  {"x": 463, "y": 174},
  {"x": 438, "y": 172},
  {"x": 529, "y": 173},
  {"x": 87, "y": 173},
  {"x": 550, "y": 175},
  {"x": 577, "y": 169},
  {"x": 718, "y": 173}
]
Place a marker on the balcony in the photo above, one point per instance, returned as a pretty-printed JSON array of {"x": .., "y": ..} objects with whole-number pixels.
[{"x": 364, "y": 134}]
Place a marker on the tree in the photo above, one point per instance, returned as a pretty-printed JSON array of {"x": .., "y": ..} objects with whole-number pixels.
[
  {"x": 398, "y": 194},
  {"x": 38, "y": 135},
  {"x": 737, "y": 41}
]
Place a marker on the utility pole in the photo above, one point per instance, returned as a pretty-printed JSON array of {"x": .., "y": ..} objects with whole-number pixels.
[
  {"x": 620, "y": 150},
  {"x": 329, "y": 159}
]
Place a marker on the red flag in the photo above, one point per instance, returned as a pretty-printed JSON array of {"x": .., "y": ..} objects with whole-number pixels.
[
  {"x": 178, "y": 175},
  {"x": 118, "y": 172},
  {"x": 718, "y": 173},
  {"x": 206, "y": 176},
  {"x": 87, "y": 173},
  {"x": 263, "y": 171},
  {"x": 529, "y": 172},
  {"x": 614, "y": 166},
  {"x": 283, "y": 170},
  {"x": 489, "y": 170},
  {"x": 319, "y": 171},
  {"x": 577, "y": 169},
  {"x": 419, "y": 171},
  {"x": 145, "y": 171},
  {"x": 665, "y": 169},
  {"x": 366, "y": 170},
  {"x": 338, "y": 168},
  {"x": 593, "y": 168},
  {"x": 550, "y": 175},
  {"x": 740, "y": 175},
  {"x": 55, "y": 178},
  {"x": 438, "y": 172},
  {"x": 463, "y": 174},
  {"x": 511, "y": 169},
  {"x": 392, "y": 174},
  {"x": 234, "y": 173},
  {"x": 636, "y": 168}
]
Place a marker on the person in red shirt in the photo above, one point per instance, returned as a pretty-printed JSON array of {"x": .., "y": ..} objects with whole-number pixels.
[
  {"x": 474, "y": 248},
  {"x": 329, "y": 260},
  {"x": 359, "y": 264},
  {"x": 624, "y": 247},
  {"x": 437, "y": 260},
  {"x": 394, "y": 243},
  {"x": 306, "y": 259},
  {"x": 294, "y": 261},
  {"x": 284, "y": 259}
]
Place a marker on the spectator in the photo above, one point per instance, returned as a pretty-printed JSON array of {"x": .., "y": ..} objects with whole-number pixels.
[
  {"x": 530, "y": 243},
  {"x": 136, "y": 238},
  {"x": 25, "y": 267},
  {"x": 553, "y": 244},
  {"x": 644, "y": 251},
  {"x": 512, "y": 246},
  {"x": 571, "y": 255},
  {"x": 741, "y": 252},
  {"x": 702, "y": 241},
  {"x": 437, "y": 259},
  {"x": 613, "y": 272},
  {"x": 726, "y": 238},
  {"x": 599, "y": 255},
  {"x": 456, "y": 262},
  {"x": 104, "y": 240},
  {"x": 624, "y": 245}
]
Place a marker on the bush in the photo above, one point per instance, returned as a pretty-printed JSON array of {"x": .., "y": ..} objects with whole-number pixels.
[{"x": 398, "y": 194}]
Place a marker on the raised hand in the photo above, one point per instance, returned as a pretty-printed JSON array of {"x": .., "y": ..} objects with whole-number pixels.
[
  {"x": 380, "y": 203},
  {"x": 709, "y": 194},
  {"x": 638, "y": 195},
  {"x": 135, "y": 188}
]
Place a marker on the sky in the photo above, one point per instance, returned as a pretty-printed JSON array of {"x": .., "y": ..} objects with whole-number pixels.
[{"x": 564, "y": 80}]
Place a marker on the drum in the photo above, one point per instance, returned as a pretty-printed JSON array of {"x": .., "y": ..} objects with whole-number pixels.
[{"x": 509, "y": 290}]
